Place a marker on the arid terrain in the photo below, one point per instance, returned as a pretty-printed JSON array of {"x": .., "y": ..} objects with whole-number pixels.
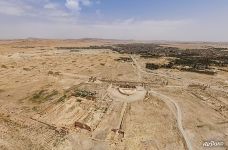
[{"x": 92, "y": 94}]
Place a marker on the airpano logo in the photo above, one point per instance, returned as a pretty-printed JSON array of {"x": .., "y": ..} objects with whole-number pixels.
[{"x": 213, "y": 144}]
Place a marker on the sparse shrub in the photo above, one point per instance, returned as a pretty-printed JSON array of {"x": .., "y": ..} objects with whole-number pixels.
[
  {"x": 4, "y": 66},
  {"x": 26, "y": 69},
  {"x": 79, "y": 100},
  {"x": 74, "y": 51},
  {"x": 50, "y": 72},
  {"x": 124, "y": 59},
  {"x": 62, "y": 99},
  {"x": 152, "y": 66},
  {"x": 35, "y": 109},
  {"x": 38, "y": 95},
  {"x": 43, "y": 96},
  {"x": 49, "y": 96},
  {"x": 84, "y": 94},
  {"x": 57, "y": 73}
]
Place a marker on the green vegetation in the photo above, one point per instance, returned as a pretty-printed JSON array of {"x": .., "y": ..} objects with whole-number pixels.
[
  {"x": 38, "y": 95},
  {"x": 152, "y": 66},
  {"x": 79, "y": 100},
  {"x": 62, "y": 99},
  {"x": 43, "y": 96},
  {"x": 190, "y": 64},
  {"x": 124, "y": 59},
  {"x": 90, "y": 47},
  {"x": 35, "y": 109},
  {"x": 210, "y": 56},
  {"x": 83, "y": 93},
  {"x": 77, "y": 93}
]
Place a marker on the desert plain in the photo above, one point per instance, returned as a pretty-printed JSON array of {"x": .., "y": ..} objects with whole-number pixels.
[{"x": 92, "y": 94}]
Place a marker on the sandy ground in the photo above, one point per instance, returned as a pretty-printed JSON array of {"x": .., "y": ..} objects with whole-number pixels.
[{"x": 165, "y": 109}]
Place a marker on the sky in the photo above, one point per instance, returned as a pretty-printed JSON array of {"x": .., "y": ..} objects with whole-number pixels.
[{"x": 174, "y": 20}]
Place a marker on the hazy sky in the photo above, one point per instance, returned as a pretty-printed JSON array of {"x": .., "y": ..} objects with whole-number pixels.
[{"x": 194, "y": 20}]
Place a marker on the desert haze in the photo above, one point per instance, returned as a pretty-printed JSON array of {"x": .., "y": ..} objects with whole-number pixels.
[{"x": 92, "y": 94}]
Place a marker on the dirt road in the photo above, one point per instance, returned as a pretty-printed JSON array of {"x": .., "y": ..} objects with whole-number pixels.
[
  {"x": 178, "y": 115},
  {"x": 169, "y": 102}
]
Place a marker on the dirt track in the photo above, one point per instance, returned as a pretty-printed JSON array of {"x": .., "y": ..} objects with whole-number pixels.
[
  {"x": 71, "y": 99},
  {"x": 167, "y": 100},
  {"x": 178, "y": 114}
]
